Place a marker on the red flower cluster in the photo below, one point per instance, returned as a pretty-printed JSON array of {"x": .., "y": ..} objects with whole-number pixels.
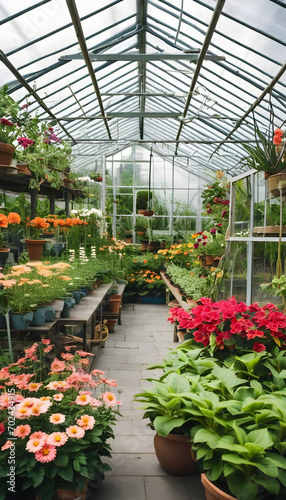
[{"x": 234, "y": 324}]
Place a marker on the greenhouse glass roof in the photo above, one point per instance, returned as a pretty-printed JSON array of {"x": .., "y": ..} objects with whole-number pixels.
[{"x": 186, "y": 77}]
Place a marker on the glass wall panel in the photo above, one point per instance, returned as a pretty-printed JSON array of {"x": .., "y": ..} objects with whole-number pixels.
[{"x": 235, "y": 281}]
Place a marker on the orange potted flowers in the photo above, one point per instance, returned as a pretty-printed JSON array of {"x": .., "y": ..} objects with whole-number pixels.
[{"x": 34, "y": 243}]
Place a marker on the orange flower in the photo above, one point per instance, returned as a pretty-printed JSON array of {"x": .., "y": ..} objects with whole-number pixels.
[
  {"x": 3, "y": 220},
  {"x": 39, "y": 223},
  {"x": 186, "y": 253},
  {"x": 14, "y": 218},
  {"x": 145, "y": 261}
]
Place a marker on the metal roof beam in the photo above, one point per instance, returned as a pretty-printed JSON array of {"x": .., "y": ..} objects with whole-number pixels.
[
  {"x": 224, "y": 35},
  {"x": 141, "y": 21},
  {"x": 60, "y": 29},
  {"x": 192, "y": 56},
  {"x": 80, "y": 36},
  {"x": 31, "y": 91},
  {"x": 123, "y": 114},
  {"x": 24, "y": 11},
  {"x": 253, "y": 106},
  {"x": 119, "y": 37},
  {"x": 216, "y": 14}
]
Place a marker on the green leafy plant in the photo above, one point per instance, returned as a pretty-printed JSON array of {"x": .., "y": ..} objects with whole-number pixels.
[{"x": 263, "y": 156}]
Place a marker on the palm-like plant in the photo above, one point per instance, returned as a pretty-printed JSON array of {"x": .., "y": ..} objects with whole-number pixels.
[{"x": 264, "y": 157}]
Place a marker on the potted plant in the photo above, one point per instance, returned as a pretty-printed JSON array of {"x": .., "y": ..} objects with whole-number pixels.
[
  {"x": 142, "y": 199},
  {"x": 60, "y": 428},
  {"x": 97, "y": 177},
  {"x": 34, "y": 243},
  {"x": 268, "y": 156},
  {"x": 141, "y": 226}
]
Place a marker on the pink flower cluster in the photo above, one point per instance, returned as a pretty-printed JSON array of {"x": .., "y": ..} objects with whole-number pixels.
[
  {"x": 253, "y": 327},
  {"x": 65, "y": 406}
]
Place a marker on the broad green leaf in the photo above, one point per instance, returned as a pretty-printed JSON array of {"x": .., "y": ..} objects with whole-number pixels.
[
  {"x": 164, "y": 424},
  {"x": 178, "y": 384},
  {"x": 61, "y": 460},
  {"x": 269, "y": 483},
  {"x": 216, "y": 470},
  {"x": 261, "y": 437},
  {"x": 242, "y": 487},
  {"x": 66, "y": 472}
]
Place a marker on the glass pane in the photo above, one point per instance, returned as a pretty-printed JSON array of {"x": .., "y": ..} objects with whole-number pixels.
[
  {"x": 235, "y": 281},
  {"x": 242, "y": 207}
]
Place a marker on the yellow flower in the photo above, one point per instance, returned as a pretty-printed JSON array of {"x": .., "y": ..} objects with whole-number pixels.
[{"x": 194, "y": 236}]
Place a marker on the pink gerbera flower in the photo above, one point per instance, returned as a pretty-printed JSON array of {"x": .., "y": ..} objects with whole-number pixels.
[
  {"x": 22, "y": 431},
  {"x": 57, "y": 418},
  {"x": 109, "y": 398},
  {"x": 7, "y": 445},
  {"x": 57, "y": 438},
  {"x": 74, "y": 431},
  {"x": 46, "y": 454},
  {"x": 83, "y": 399},
  {"x": 35, "y": 445},
  {"x": 38, "y": 435},
  {"x": 58, "y": 397},
  {"x": 86, "y": 422},
  {"x": 33, "y": 386}
]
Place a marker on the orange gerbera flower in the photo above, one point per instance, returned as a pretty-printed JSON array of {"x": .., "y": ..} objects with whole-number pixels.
[
  {"x": 3, "y": 220},
  {"x": 14, "y": 218}
]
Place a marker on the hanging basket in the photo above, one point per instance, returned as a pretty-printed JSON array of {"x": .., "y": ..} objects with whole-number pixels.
[{"x": 146, "y": 213}]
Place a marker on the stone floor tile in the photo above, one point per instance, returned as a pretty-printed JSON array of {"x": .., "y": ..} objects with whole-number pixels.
[
  {"x": 165, "y": 488},
  {"x": 133, "y": 444},
  {"x": 195, "y": 487},
  {"x": 121, "y": 488},
  {"x": 135, "y": 464}
]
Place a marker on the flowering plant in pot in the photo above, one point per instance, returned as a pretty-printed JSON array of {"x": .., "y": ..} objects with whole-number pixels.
[
  {"x": 227, "y": 326},
  {"x": 54, "y": 427}
]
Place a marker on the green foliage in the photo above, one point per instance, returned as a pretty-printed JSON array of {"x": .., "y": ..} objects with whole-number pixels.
[
  {"x": 195, "y": 282},
  {"x": 142, "y": 200},
  {"x": 263, "y": 156},
  {"x": 233, "y": 410}
]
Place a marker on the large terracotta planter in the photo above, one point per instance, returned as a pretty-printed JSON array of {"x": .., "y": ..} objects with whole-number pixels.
[
  {"x": 35, "y": 248},
  {"x": 273, "y": 182},
  {"x": 213, "y": 492},
  {"x": 6, "y": 153},
  {"x": 114, "y": 303},
  {"x": 174, "y": 453}
]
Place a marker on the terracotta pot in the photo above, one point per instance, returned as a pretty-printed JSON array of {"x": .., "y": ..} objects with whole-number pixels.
[
  {"x": 144, "y": 246},
  {"x": 61, "y": 494},
  {"x": 111, "y": 324},
  {"x": 150, "y": 247},
  {"x": 6, "y": 153},
  {"x": 174, "y": 453},
  {"x": 213, "y": 492},
  {"x": 203, "y": 262},
  {"x": 273, "y": 182},
  {"x": 209, "y": 259},
  {"x": 23, "y": 169},
  {"x": 141, "y": 233},
  {"x": 114, "y": 304},
  {"x": 35, "y": 248},
  {"x": 128, "y": 239}
]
